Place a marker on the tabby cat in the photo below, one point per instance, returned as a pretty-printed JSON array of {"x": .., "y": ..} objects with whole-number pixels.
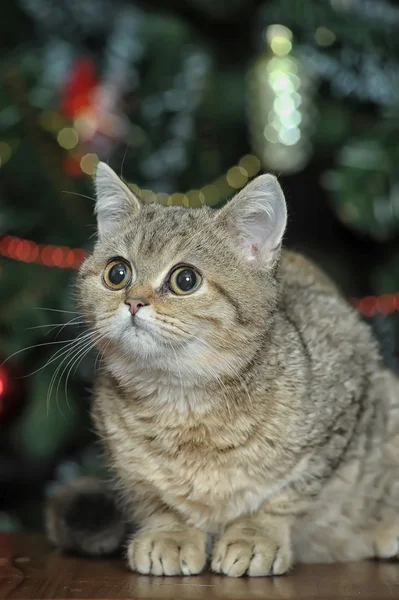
[{"x": 242, "y": 400}]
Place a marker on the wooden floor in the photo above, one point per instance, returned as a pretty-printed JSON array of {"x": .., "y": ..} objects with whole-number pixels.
[{"x": 29, "y": 569}]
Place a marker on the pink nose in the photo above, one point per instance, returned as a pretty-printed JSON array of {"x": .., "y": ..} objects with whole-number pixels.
[{"x": 135, "y": 304}]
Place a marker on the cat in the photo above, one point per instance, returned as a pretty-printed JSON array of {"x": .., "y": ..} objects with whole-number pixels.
[{"x": 242, "y": 399}]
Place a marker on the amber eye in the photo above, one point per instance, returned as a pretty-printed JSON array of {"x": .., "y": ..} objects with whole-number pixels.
[
  {"x": 117, "y": 274},
  {"x": 184, "y": 280}
]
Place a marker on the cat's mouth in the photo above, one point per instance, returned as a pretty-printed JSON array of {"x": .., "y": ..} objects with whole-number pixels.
[
  {"x": 133, "y": 321},
  {"x": 160, "y": 330},
  {"x": 144, "y": 327}
]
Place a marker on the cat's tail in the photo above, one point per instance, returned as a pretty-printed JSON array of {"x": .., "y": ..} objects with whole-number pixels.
[{"x": 83, "y": 517}]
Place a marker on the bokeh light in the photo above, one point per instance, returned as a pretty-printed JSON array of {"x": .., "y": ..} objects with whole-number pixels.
[
  {"x": 5, "y": 153},
  {"x": 89, "y": 163},
  {"x": 324, "y": 36},
  {"x": 68, "y": 138},
  {"x": 44, "y": 254}
]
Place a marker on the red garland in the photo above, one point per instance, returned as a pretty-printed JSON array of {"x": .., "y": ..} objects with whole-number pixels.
[{"x": 42, "y": 254}]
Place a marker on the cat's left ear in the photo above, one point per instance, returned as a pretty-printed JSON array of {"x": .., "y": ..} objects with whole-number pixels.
[
  {"x": 257, "y": 215},
  {"x": 114, "y": 200}
]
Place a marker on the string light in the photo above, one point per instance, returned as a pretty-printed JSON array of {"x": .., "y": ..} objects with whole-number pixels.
[
  {"x": 5, "y": 153},
  {"x": 369, "y": 306},
  {"x": 280, "y": 104},
  {"x": 68, "y": 138},
  {"x": 88, "y": 163},
  {"x": 210, "y": 194},
  {"x": 43, "y": 254},
  {"x": 279, "y": 38},
  {"x": 237, "y": 177}
]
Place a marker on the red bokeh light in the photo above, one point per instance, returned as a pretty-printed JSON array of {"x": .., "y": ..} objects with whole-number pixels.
[
  {"x": 44, "y": 254},
  {"x": 77, "y": 92},
  {"x": 72, "y": 165},
  {"x": 368, "y": 306}
]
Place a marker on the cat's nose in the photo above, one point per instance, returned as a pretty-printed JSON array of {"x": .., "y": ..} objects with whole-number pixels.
[{"x": 135, "y": 304}]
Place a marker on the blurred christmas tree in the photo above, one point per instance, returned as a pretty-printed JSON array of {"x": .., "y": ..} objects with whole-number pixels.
[{"x": 189, "y": 103}]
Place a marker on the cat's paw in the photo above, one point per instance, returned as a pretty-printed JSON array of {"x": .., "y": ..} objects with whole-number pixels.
[
  {"x": 256, "y": 556},
  {"x": 386, "y": 545},
  {"x": 167, "y": 552}
]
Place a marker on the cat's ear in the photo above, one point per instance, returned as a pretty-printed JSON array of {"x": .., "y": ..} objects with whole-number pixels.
[
  {"x": 114, "y": 200},
  {"x": 257, "y": 215}
]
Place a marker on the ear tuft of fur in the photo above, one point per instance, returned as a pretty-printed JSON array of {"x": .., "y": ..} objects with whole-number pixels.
[{"x": 83, "y": 517}]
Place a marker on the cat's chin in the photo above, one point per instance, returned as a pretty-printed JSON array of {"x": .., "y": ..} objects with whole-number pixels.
[{"x": 140, "y": 344}]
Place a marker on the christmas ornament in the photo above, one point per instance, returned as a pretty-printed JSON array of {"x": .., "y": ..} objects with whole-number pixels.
[
  {"x": 95, "y": 106},
  {"x": 78, "y": 89},
  {"x": 12, "y": 392},
  {"x": 92, "y": 106},
  {"x": 280, "y": 105}
]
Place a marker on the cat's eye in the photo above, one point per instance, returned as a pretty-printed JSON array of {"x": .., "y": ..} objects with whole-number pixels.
[
  {"x": 184, "y": 280},
  {"x": 117, "y": 274}
]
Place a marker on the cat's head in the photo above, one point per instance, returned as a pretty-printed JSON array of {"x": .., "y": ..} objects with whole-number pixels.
[{"x": 186, "y": 291}]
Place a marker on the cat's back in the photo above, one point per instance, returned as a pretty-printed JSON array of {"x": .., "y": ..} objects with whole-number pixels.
[
  {"x": 301, "y": 275},
  {"x": 332, "y": 331},
  {"x": 313, "y": 299}
]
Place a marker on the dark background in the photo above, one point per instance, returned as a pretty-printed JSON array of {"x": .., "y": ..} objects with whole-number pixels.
[{"x": 188, "y": 100}]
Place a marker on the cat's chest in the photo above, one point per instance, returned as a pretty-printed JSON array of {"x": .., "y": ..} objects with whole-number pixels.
[
  {"x": 200, "y": 484},
  {"x": 209, "y": 481}
]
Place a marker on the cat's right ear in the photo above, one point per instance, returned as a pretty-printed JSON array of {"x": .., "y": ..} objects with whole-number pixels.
[
  {"x": 114, "y": 200},
  {"x": 257, "y": 217}
]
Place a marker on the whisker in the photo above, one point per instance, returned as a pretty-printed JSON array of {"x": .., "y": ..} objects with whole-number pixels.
[
  {"x": 100, "y": 336},
  {"x": 100, "y": 355},
  {"x": 59, "y": 352},
  {"x": 123, "y": 160},
  {"x": 158, "y": 324},
  {"x": 78, "y": 194},
  {"x": 80, "y": 343},
  {"x": 69, "y": 323},
  {"x": 71, "y": 312},
  {"x": 35, "y": 346},
  {"x": 53, "y": 325},
  {"x": 80, "y": 353},
  {"x": 170, "y": 321},
  {"x": 52, "y": 381}
]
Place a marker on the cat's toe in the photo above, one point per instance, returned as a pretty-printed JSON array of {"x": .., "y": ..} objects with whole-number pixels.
[
  {"x": 232, "y": 559},
  {"x": 166, "y": 553},
  {"x": 192, "y": 559},
  {"x": 385, "y": 541},
  {"x": 386, "y": 547},
  {"x": 258, "y": 557}
]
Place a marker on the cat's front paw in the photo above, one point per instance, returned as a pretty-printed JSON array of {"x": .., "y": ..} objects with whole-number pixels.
[
  {"x": 167, "y": 552},
  {"x": 253, "y": 555},
  {"x": 386, "y": 543}
]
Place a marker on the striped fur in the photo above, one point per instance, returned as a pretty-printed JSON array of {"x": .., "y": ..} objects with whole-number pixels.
[{"x": 259, "y": 412}]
